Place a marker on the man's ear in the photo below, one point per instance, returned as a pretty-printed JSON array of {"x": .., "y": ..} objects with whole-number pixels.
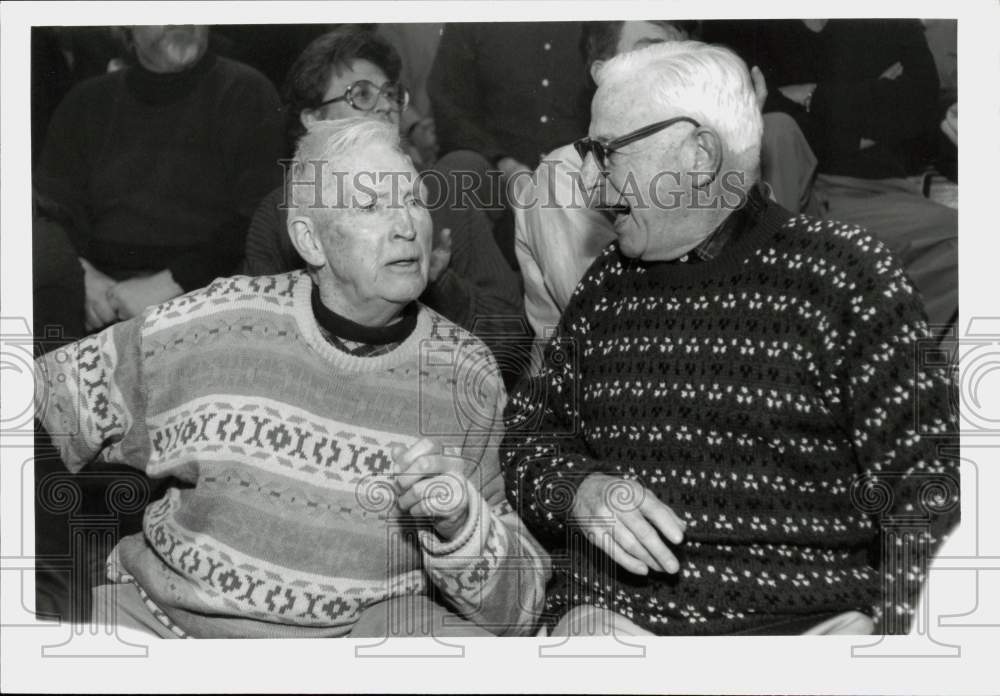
[
  {"x": 595, "y": 68},
  {"x": 708, "y": 156},
  {"x": 308, "y": 117},
  {"x": 305, "y": 238}
]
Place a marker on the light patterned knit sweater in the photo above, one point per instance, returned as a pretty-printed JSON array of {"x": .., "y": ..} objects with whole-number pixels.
[
  {"x": 777, "y": 399},
  {"x": 289, "y": 525}
]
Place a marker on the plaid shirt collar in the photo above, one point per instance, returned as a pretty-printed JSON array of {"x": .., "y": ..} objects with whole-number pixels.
[{"x": 743, "y": 218}]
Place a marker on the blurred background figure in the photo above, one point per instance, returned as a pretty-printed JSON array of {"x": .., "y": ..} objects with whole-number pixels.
[
  {"x": 143, "y": 190},
  {"x": 866, "y": 93},
  {"x": 153, "y": 171},
  {"x": 504, "y": 94}
]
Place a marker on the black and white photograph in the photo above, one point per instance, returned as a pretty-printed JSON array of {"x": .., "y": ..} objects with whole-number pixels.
[{"x": 629, "y": 333}]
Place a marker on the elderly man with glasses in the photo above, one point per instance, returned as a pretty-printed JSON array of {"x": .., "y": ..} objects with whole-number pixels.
[{"x": 732, "y": 393}]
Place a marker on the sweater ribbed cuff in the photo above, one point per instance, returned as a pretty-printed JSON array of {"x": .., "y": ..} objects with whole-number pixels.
[
  {"x": 555, "y": 491},
  {"x": 467, "y": 542}
]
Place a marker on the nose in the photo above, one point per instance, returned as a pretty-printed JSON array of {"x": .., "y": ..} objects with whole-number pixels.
[
  {"x": 404, "y": 226},
  {"x": 384, "y": 107},
  {"x": 594, "y": 181}
]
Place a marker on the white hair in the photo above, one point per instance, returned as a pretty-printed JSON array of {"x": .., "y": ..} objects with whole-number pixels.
[
  {"x": 322, "y": 146},
  {"x": 710, "y": 84}
]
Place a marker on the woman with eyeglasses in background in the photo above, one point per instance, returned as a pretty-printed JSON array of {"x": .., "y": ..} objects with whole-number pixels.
[{"x": 352, "y": 72}]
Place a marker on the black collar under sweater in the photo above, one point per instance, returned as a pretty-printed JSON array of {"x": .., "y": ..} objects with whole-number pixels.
[
  {"x": 344, "y": 328},
  {"x": 159, "y": 89}
]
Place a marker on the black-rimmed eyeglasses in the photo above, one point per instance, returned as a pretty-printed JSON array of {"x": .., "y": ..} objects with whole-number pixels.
[
  {"x": 364, "y": 95},
  {"x": 602, "y": 150}
]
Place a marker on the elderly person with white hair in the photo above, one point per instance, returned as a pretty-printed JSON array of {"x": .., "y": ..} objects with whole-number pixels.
[
  {"x": 732, "y": 419},
  {"x": 338, "y": 440}
]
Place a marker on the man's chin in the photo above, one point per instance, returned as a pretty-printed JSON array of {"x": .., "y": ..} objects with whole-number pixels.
[
  {"x": 403, "y": 293},
  {"x": 629, "y": 237}
]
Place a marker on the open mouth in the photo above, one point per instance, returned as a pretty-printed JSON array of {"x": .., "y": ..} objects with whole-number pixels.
[
  {"x": 621, "y": 209},
  {"x": 405, "y": 264}
]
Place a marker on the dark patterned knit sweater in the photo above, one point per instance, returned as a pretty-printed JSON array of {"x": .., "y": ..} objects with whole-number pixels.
[{"x": 774, "y": 399}]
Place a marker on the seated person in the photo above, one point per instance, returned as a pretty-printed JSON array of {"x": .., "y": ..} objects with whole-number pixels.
[
  {"x": 733, "y": 390},
  {"x": 313, "y": 419},
  {"x": 504, "y": 94},
  {"x": 353, "y": 72},
  {"x": 865, "y": 93},
  {"x": 153, "y": 171},
  {"x": 558, "y": 235}
]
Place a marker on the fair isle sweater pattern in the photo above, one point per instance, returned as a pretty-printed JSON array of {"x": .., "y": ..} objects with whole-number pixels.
[
  {"x": 774, "y": 398},
  {"x": 290, "y": 525}
]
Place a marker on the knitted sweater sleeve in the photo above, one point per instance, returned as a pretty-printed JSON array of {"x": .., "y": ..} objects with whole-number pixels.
[
  {"x": 897, "y": 405},
  {"x": 544, "y": 455},
  {"x": 493, "y": 572},
  {"x": 93, "y": 400}
]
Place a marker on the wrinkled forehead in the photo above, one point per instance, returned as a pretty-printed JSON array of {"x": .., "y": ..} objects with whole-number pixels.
[{"x": 377, "y": 169}]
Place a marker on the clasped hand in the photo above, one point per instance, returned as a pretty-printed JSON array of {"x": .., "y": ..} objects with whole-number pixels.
[
  {"x": 432, "y": 485},
  {"x": 108, "y": 301}
]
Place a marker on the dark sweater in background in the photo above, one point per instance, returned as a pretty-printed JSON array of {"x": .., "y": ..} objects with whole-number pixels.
[
  {"x": 748, "y": 393},
  {"x": 509, "y": 89},
  {"x": 852, "y": 101},
  {"x": 154, "y": 171}
]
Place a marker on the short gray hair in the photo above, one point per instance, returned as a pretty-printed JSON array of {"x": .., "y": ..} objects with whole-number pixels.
[
  {"x": 711, "y": 84},
  {"x": 325, "y": 143}
]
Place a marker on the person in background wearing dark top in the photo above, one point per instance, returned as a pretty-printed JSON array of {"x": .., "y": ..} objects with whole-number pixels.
[
  {"x": 153, "y": 171},
  {"x": 504, "y": 94},
  {"x": 143, "y": 190},
  {"x": 353, "y": 72},
  {"x": 865, "y": 93},
  {"x": 270, "y": 48},
  {"x": 60, "y": 58}
]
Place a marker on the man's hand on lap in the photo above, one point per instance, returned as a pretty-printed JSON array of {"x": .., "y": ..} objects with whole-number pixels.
[{"x": 625, "y": 520}]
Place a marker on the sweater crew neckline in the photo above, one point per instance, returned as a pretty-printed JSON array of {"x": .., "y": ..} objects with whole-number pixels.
[
  {"x": 410, "y": 345},
  {"x": 343, "y": 328},
  {"x": 159, "y": 89}
]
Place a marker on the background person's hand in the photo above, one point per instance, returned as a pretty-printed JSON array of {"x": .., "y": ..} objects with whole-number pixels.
[
  {"x": 433, "y": 485},
  {"x": 759, "y": 86},
  {"x": 130, "y": 297},
  {"x": 949, "y": 126},
  {"x": 440, "y": 254},
  {"x": 800, "y": 94},
  {"x": 892, "y": 72},
  {"x": 625, "y": 520},
  {"x": 97, "y": 309}
]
